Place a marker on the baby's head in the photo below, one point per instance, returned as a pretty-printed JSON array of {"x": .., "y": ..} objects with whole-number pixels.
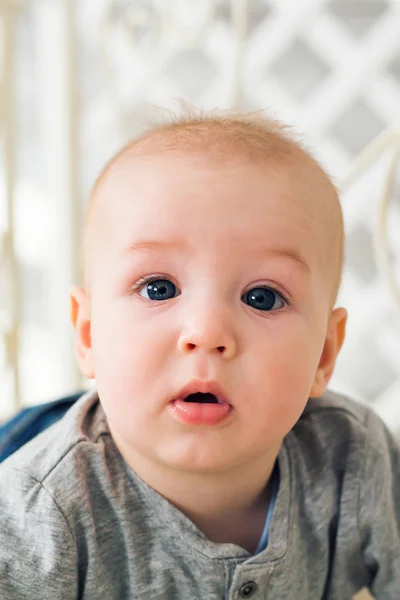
[{"x": 213, "y": 254}]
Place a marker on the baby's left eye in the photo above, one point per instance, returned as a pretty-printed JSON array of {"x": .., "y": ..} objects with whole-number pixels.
[
  {"x": 159, "y": 289},
  {"x": 263, "y": 298}
]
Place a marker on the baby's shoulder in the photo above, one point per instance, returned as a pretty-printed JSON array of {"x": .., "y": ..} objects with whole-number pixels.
[
  {"x": 63, "y": 452},
  {"x": 334, "y": 407},
  {"x": 336, "y": 425}
]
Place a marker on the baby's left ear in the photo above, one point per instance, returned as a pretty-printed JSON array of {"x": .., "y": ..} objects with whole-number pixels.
[{"x": 333, "y": 342}]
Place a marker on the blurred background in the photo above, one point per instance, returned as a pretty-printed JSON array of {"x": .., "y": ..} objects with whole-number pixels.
[{"x": 78, "y": 78}]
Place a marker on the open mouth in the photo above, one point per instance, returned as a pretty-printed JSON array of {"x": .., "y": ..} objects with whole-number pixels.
[
  {"x": 202, "y": 398},
  {"x": 201, "y": 403}
]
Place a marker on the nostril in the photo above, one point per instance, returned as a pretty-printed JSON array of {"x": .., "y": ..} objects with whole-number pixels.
[{"x": 189, "y": 346}]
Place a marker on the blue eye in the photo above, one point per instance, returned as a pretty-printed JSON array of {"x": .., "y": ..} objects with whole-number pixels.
[
  {"x": 159, "y": 289},
  {"x": 263, "y": 298}
]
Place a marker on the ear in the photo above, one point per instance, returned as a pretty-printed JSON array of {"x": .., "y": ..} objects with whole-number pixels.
[
  {"x": 80, "y": 318},
  {"x": 333, "y": 343}
]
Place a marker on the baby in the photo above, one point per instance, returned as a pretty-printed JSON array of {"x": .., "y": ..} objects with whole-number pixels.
[{"x": 211, "y": 462}]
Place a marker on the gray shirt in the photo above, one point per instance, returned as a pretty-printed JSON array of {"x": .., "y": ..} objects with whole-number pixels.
[{"x": 76, "y": 522}]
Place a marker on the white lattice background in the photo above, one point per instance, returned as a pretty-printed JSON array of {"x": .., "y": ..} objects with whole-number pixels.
[{"x": 329, "y": 67}]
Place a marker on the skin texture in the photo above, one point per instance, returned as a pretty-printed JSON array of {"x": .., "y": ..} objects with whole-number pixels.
[{"x": 216, "y": 229}]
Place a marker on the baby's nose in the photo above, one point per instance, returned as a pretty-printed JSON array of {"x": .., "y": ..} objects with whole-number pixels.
[{"x": 210, "y": 333}]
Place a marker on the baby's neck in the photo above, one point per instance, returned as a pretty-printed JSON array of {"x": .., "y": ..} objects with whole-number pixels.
[
  {"x": 227, "y": 507},
  {"x": 240, "y": 526}
]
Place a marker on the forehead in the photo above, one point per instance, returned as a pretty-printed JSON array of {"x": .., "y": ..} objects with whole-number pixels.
[
  {"x": 224, "y": 206},
  {"x": 177, "y": 186}
]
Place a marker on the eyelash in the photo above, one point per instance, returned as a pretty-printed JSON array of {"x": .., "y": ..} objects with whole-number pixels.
[{"x": 150, "y": 278}]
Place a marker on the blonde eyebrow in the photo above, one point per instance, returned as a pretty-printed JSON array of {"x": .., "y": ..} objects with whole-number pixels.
[
  {"x": 159, "y": 245},
  {"x": 151, "y": 245},
  {"x": 293, "y": 255}
]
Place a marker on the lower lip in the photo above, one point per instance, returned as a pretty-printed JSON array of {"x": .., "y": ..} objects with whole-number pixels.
[{"x": 196, "y": 413}]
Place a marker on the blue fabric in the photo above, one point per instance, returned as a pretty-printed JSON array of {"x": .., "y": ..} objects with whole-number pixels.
[
  {"x": 263, "y": 543},
  {"x": 30, "y": 422}
]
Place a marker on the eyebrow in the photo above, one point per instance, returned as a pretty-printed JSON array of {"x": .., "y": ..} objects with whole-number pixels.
[
  {"x": 293, "y": 254},
  {"x": 154, "y": 245}
]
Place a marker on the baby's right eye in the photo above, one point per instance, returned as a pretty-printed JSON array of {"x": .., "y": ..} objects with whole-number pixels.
[{"x": 159, "y": 289}]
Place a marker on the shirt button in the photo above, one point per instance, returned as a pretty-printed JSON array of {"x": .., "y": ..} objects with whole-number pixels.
[{"x": 248, "y": 589}]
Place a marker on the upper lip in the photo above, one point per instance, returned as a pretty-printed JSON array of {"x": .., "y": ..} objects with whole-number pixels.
[{"x": 204, "y": 387}]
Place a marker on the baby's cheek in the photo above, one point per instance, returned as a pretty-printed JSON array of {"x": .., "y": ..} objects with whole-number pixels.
[
  {"x": 285, "y": 373},
  {"x": 126, "y": 364}
]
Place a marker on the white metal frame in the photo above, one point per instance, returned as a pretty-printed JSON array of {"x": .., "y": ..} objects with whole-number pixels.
[
  {"x": 61, "y": 133},
  {"x": 9, "y": 322},
  {"x": 60, "y": 123}
]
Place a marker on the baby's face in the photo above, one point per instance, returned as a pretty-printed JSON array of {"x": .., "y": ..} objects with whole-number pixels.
[{"x": 212, "y": 276}]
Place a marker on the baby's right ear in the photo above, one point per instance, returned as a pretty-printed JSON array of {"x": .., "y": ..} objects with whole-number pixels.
[{"x": 80, "y": 319}]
